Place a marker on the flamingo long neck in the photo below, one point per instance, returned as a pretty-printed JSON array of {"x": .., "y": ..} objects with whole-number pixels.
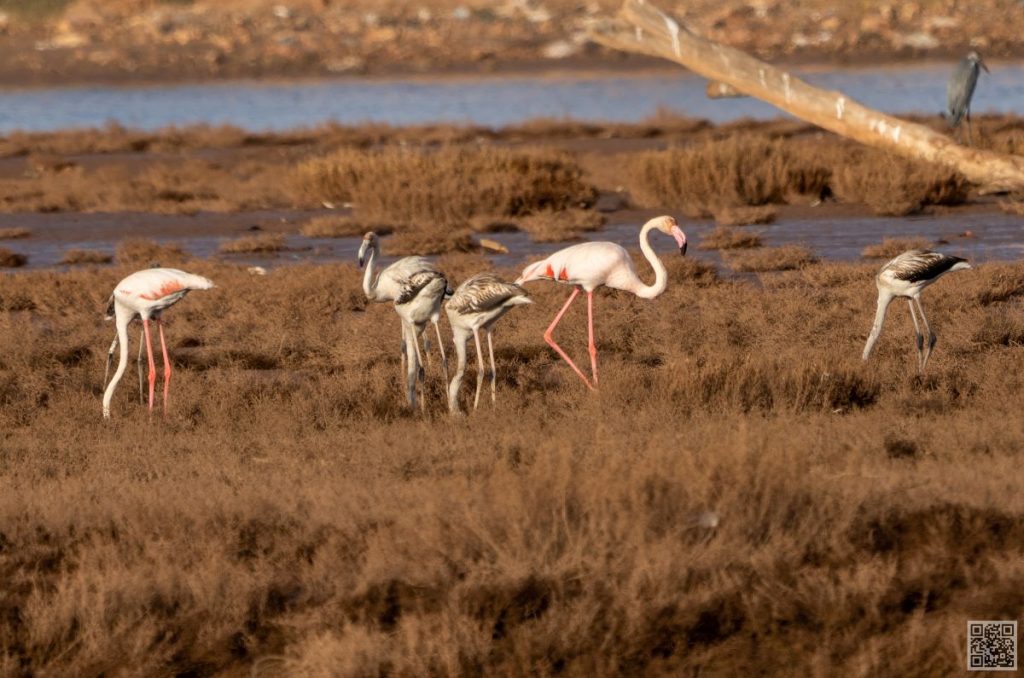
[
  {"x": 369, "y": 282},
  {"x": 122, "y": 320},
  {"x": 660, "y": 273}
]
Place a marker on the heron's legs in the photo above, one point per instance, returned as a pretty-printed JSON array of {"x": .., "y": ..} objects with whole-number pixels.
[
  {"x": 167, "y": 364},
  {"x": 440, "y": 345},
  {"x": 138, "y": 364},
  {"x": 931, "y": 335},
  {"x": 970, "y": 140},
  {"x": 494, "y": 373},
  {"x": 479, "y": 367},
  {"x": 551, "y": 341},
  {"x": 918, "y": 337},
  {"x": 590, "y": 331},
  {"x": 152, "y": 364}
]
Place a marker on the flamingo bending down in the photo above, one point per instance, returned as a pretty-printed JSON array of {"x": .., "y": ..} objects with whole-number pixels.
[
  {"x": 417, "y": 289},
  {"x": 478, "y": 303},
  {"x": 147, "y": 294},
  {"x": 906, "y": 276},
  {"x": 591, "y": 264}
]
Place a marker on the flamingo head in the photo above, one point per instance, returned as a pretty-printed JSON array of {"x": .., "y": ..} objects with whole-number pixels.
[
  {"x": 669, "y": 226},
  {"x": 369, "y": 243}
]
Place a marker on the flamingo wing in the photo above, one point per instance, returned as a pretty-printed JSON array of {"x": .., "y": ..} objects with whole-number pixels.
[
  {"x": 410, "y": 287},
  {"x": 483, "y": 292}
]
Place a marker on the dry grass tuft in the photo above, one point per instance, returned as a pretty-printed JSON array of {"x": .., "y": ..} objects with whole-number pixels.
[
  {"x": 263, "y": 243},
  {"x": 892, "y": 247},
  {"x": 740, "y": 170},
  {"x": 411, "y": 241},
  {"x": 143, "y": 252},
  {"x": 785, "y": 258},
  {"x": 723, "y": 238},
  {"x": 14, "y": 233},
  {"x": 1012, "y": 207},
  {"x": 894, "y": 186},
  {"x": 562, "y": 225},
  {"x": 342, "y": 227},
  {"x": 445, "y": 186},
  {"x": 11, "y": 259},
  {"x": 77, "y": 256},
  {"x": 745, "y": 216}
]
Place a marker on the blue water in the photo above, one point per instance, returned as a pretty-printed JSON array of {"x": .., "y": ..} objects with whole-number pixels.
[{"x": 489, "y": 101}]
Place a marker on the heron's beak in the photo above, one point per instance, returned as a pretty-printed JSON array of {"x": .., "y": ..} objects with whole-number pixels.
[
  {"x": 982, "y": 64},
  {"x": 680, "y": 237}
]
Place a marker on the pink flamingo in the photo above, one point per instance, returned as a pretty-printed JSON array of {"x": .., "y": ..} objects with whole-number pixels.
[
  {"x": 147, "y": 294},
  {"x": 589, "y": 265}
]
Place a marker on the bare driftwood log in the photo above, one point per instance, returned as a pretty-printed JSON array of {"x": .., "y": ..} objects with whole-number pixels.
[{"x": 642, "y": 27}]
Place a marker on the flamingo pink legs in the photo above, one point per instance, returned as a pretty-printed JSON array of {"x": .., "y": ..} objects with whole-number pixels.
[
  {"x": 152, "y": 363},
  {"x": 593, "y": 349},
  {"x": 590, "y": 327},
  {"x": 167, "y": 364}
]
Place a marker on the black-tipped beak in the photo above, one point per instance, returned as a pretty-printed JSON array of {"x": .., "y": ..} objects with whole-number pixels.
[
  {"x": 982, "y": 64},
  {"x": 682, "y": 250},
  {"x": 360, "y": 262}
]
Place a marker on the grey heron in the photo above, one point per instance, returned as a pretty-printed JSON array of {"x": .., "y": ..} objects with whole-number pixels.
[{"x": 960, "y": 90}]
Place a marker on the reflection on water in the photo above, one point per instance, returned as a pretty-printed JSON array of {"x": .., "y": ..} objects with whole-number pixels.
[
  {"x": 490, "y": 101},
  {"x": 993, "y": 237}
]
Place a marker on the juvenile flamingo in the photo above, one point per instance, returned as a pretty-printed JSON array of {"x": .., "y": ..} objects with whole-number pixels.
[
  {"x": 417, "y": 289},
  {"x": 147, "y": 294},
  {"x": 589, "y": 265},
  {"x": 906, "y": 276},
  {"x": 478, "y": 303}
]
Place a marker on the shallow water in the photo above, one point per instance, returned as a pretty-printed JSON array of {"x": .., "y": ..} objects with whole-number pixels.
[
  {"x": 489, "y": 101},
  {"x": 992, "y": 237}
]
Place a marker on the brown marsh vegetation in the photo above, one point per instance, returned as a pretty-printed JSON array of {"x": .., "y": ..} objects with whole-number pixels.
[
  {"x": 725, "y": 238},
  {"x": 11, "y": 259},
  {"x": 14, "y": 233},
  {"x": 439, "y": 183},
  {"x": 762, "y": 259},
  {"x": 81, "y": 256},
  {"x": 893, "y": 247},
  {"x": 290, "y": 514}
]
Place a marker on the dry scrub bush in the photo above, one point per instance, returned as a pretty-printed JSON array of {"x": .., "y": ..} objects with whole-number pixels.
[
  {"x": 79, "y": 256},
  {"x": 14, "y": 233},
  {"x": 723, "y": 238},
  {"x": 444, "y": 186},
  {"x": 11, "y": 259},
  {"x": 745, "y": 216},
  {"x": 784, "y": 258},
  {"x": 266, "y": 522},
  {"x": 263, "y": 243},
  {"x": 413, "y": 241},
  {"x": 142, "y": 252},
  {"x": 341, "y": 227},
  {"x": 893, "y": 186},
  {"x": 892, "y": 247},
  {"x": 740, "y": 170},
  {"x": 562, "y": 225}
]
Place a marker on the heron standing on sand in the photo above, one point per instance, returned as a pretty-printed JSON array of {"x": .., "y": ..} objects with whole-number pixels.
[
  {"x": 961, "y": 89},
  {"x": 906, "y": 276}
]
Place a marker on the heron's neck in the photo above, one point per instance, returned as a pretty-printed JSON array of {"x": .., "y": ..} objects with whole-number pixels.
[
  {"x": 369, "y": 283},
  {"x": 660, "y": 273}
]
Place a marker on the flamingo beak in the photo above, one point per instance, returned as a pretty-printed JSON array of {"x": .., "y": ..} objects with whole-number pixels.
[
  {"x": 360, "y": 262},
  {"x": 680, "y": 237}
]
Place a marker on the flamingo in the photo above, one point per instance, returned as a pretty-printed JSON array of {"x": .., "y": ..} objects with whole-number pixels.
[
  {"x": 590, "y": 265},
  {"x": 417, "y": 289},
  {"x": 478, "y": 303},
  {"x": 906, "y": 276},
  {"x": 147, "y": 294}
]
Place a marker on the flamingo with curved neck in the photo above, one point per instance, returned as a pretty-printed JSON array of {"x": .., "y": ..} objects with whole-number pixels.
[{"x": 590, "y": 265}]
